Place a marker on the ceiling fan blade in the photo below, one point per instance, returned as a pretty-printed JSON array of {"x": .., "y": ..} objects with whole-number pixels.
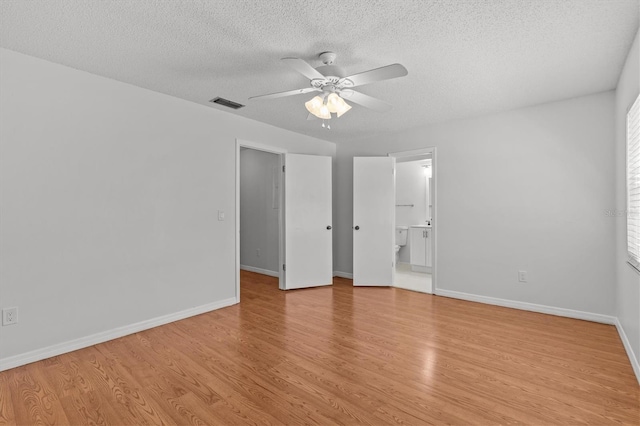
[
  {"x": 283, "y": 94},
  {"x": 303, "y": 68},
  {"x": 378, "y": 74},
  {"x": 366, "y": 101},
  {"x": 311, "y": 117}
]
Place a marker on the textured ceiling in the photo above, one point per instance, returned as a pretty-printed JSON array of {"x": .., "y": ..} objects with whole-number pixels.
[{"x": 465, "y": 58}]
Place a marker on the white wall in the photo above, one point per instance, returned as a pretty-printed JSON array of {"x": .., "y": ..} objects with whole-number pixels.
[
  {"x": 521, "y": 190},
  {"x": 109, "y": 197},
  {"x": 411, "y": 188},
  {"x": 259, "y": 186},
  {"x": 628, "y": 280}
]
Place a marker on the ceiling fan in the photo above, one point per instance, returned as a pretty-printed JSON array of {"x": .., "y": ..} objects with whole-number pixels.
[{"x": 335, "y": 87}]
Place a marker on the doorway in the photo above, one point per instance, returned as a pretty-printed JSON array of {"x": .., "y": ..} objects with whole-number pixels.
[
  {"x": 300, "y": 198},
  {"x": 415, "y": 220},
  {"x": 259, "y": 211}
]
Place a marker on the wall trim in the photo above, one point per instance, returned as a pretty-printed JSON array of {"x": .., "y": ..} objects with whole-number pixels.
[
  {"x": 525, "y": 306},
  {"x": 627, "y": 346},
  {"x": 340, "y": 274},
  {"x": 260, "y": 271},
  {"x": 94, "y": 339}
]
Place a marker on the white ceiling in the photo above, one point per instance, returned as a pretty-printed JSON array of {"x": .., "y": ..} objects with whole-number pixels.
[{"x": 465, "y": 57}]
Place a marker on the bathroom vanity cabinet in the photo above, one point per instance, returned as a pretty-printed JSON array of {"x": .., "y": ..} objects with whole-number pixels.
[{"x": 420, "y": 248}]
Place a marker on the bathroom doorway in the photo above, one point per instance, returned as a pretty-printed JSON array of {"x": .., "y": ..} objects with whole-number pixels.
[{"x": 415, "y": 220}]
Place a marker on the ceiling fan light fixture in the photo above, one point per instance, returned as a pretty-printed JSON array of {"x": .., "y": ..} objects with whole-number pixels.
[
  {"x": 337, "y": 105},
  {"x": 331, "y": 81},
  {"x": 317, "y": 107}
]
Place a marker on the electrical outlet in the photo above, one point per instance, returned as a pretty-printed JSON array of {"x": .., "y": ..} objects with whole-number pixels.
[
  {"x": 221, "y": 215},
  {"x": 257, "y": 252},
  {"x": 522, "y": 276},
  {"x": 9, "y": 316}
]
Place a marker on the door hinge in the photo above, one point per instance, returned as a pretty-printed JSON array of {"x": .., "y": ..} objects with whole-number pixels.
[
  {"x": 284, "y": 267},
  {"x": 282, "y": 169}
]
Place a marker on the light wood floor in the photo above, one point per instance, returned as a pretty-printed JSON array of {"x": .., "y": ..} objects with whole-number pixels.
[{"x": 337, "y": 355}]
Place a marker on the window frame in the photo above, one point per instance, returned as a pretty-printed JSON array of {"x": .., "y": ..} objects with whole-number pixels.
[{"x": 632, "y": 183}]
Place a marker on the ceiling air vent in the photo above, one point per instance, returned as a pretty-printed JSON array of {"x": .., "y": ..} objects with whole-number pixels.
[{"x": 226, "y": 102}]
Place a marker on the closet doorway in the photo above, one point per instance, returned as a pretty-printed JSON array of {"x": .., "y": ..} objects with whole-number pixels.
[
  {"x": 283, "y": 216},
  {"x": 260, "y": 185}
]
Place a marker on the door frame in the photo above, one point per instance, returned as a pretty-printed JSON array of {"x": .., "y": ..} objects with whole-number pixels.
[
  {"x": 240, "y": 143},
  {"x": 403, "y": 155}
]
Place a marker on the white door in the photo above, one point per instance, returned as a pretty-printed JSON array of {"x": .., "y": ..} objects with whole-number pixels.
[
  {"x": 373, "y": 221},
  {"x": 308, "y": 233}
]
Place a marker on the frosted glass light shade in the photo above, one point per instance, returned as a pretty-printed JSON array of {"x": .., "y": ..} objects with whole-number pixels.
[
  {"x": 314, "y": 104},
  {"x": 323, "y": 107},
  {"x": 324, "y": 113},
  {"x": 337, "y": 105},
  {"x": 332, "y": 102},
  {"x": 317, "y": 107},
  {"x": 344, "y": 107}
]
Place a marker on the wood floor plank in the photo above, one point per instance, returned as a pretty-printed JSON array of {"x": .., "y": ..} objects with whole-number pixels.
[
  {"x": 337, "y": 355},
  {"x": 34, "y": 401},
  {"x": 121, "y": 390},
  {"x": 89, "y": 408},
  {"x": 288, "y": 406},
  {"x": 7, "y": 415},
  {"x": 65, "y": 378}
]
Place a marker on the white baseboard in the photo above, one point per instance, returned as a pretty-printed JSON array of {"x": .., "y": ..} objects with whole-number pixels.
[
  {"x": 627, "y": 346},
  {"x": 347, "y": 275},
  {"x": 94, "y": 339},
  {"x": 525, "y": 306},
  {"x": 259, "y": 271}
]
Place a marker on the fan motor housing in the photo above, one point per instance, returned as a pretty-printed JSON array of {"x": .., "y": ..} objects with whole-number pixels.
[
  {"x": 333, "y": 78},
  {"x": 331, "y": 71}
]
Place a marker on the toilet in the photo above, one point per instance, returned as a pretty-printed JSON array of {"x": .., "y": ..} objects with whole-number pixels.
[{"x": 401, "y": 238}]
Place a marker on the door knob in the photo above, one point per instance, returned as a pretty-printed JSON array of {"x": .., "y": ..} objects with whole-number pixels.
[
  {"x": 329, "y": 227},
  {"x": 356, "y": 228}
]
